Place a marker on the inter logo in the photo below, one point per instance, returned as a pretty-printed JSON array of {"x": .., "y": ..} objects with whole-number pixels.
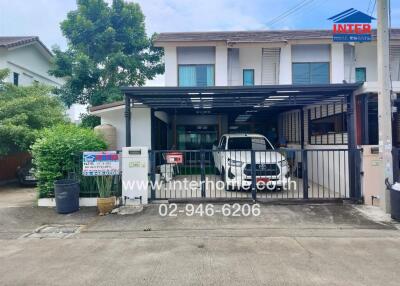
[{"x": 352, "y": 26}]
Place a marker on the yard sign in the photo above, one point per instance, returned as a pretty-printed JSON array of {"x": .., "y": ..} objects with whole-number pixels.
[{"x": 100, "y": 163}]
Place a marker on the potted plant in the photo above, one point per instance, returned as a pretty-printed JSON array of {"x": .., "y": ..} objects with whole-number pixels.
[{"x": 105, "y": 202}]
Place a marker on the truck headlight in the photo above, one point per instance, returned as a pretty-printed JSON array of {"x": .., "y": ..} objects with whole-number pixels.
[{"x": 235, "y": 163}]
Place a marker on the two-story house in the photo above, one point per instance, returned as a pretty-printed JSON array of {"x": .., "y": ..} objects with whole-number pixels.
[
  {"x": 29, "y": 61},
  {"x": 297, "y": 87},
  {"x": 259, "y": 58}
]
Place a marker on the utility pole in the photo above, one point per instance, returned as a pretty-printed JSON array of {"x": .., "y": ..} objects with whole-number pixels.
[{"x": 384, "y": 100}]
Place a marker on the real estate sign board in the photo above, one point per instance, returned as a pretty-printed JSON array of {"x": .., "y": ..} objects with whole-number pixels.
[{"x": 100, "y": 163}]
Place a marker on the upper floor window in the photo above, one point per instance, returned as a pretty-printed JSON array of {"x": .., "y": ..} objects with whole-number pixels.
[
  {"x": 196, "y": 75},
  {"x": 310, "y": 73},
  {"x": 16, "y": 78},
  {"x": 361, "y": 74},
  {"x": 248, "y": 77}
]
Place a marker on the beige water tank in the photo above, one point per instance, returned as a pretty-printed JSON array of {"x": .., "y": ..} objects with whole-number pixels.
[{"x": 109, "y": 133}]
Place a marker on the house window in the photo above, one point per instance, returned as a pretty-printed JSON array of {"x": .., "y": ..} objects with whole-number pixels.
[
  {"x": 361, "y": 74},
  {"x": 196, "y": 75},
  {"x": 310, "y": 73},
  {"x": 248, "y": 77},
  {"x": 16, "y": 78}
]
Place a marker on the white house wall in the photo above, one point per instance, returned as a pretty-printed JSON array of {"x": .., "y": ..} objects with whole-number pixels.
[
  {"x": 310, "y": 53},
  {"x": 366, "y": 57},
  {"x": 195, "y": 55},
  {"x": 337, "y": 63},
  {"x": 349, "y": 63},
  {"x": 285, "y": 70},
  {"x": 140, "y": 124},
  {"x": 171, "y": 66},
  {"x": 221, "y": 65},
  {"x": 31, "y": 65},
  {"x": 235, "y": 77},
  {"x": 251, "y": 58}
]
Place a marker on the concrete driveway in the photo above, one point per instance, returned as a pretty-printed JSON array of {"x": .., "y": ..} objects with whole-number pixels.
[{"x": 285, "y": 245}]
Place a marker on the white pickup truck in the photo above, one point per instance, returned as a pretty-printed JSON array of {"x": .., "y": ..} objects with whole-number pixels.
[{"x": 232, "y": 157}]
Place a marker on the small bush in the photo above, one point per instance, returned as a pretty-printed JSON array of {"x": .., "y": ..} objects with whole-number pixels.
[
  {"x": 89, "y": 120},
  {"x": 54, "y": 153}
]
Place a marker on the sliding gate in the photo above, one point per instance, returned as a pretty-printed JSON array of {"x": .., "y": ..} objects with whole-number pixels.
[{"x": 283, "y": 174}]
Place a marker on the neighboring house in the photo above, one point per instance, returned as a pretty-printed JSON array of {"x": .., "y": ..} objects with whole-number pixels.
[{"x": 29, "y": 61}]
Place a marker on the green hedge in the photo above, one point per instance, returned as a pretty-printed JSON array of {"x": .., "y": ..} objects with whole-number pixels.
[{"x": 55, "y": 150}]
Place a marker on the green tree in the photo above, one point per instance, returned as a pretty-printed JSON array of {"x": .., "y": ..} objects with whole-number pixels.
[
  {"x": 89, "y": 120},
  {"x": 24, "y": 111},
  {"x": 107, "y": 48}
]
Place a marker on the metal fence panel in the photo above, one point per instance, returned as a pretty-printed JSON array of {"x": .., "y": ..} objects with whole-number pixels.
[{"x": 238, "y": 174}]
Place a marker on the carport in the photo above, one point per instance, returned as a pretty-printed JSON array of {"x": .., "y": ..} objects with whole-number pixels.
[{"x": 251, "y": 101}]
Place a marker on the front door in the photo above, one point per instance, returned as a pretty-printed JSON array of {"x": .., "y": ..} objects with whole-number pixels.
[{"x": 196, "y": 137}]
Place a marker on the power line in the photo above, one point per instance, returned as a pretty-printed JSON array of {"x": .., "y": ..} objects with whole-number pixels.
[
  {"x": 311, "y": 9},
  {"x": 373, "y": 8},
  {"x": 369, "y": 6},
  {"x": 289, "y": 12}
]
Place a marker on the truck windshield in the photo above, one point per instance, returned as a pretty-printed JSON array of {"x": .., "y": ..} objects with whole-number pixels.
[{"x": 248, "y": 143}]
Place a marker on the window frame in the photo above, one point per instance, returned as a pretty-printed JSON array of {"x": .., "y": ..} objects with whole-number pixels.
[
  {"x": 16, "y": 78},
  {"x": 309, "y": 68},
  {"x": 243, "y": 73},
  {"x": 195, "y": 65},
  {"x": 365, "y": 73}
]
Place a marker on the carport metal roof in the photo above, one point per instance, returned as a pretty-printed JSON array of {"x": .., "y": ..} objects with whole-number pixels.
[{"x": 262, "y": 96}]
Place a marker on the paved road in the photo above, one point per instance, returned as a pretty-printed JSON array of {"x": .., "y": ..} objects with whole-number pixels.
[{"x": 286, "y": 245}]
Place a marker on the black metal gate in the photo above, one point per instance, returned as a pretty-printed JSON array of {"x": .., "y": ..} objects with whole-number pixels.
[{"x": 282, "y": 174}]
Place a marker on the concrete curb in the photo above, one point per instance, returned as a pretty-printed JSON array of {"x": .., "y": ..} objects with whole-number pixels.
[{"x": 83, "y": 202}]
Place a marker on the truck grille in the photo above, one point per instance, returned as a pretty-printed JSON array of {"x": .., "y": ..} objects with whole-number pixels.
[{"x": 263, "y": 170}]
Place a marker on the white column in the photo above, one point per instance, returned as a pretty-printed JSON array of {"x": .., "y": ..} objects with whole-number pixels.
[
  {"x": 171, "y": 66},
  {"x": 141, "y": 127},
  {"x": 337, "y": 63},
  {"x": 285, "y": 66},
  {"x": 221, "y": 66}
]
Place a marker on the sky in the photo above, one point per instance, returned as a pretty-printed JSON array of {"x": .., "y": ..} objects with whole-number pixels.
[{"x": 42, "y": 17}]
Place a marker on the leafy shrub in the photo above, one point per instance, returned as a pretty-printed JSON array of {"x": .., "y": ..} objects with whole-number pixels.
[
  {"x": 55, "y": 151},
  {"x": 89, "y": 120}
]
